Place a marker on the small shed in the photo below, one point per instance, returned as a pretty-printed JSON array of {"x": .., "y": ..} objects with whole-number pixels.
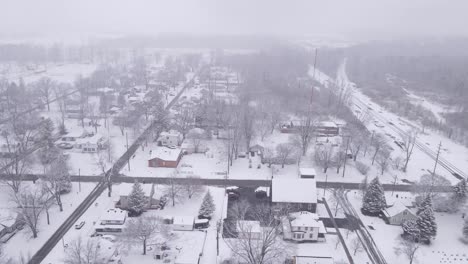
[
  {"x": 398, "y": 213},
  {"x": 183, "y": 223},
  {"x": 307, "y": 173}
]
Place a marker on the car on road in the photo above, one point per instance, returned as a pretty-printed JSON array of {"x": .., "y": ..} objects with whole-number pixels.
[
  {"x": 110, "y": 238},
  {"x": 65, "y": 145},
  {"x": 80, "y": 225}
]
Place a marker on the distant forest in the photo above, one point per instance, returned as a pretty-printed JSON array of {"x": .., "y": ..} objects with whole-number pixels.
[{"x": 435, "y": 69}]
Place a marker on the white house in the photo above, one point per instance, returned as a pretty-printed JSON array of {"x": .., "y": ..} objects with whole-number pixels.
[
  {"x": 112, "y": 221},
  {"x": 307, "y": 173},
  {"x": 248, "y": 229},
  {"x": 170, "y": 138},
  {"x": 74, "y": 135},
  {"x": 303, "y": 226},
  {"x": 183, "y": 223},
  {"x": 91, "y": 144},
  {"x": 398, "y": 213}
]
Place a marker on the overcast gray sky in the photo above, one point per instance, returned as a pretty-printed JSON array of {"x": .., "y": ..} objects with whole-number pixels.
[{"x": 346, "y": 18}]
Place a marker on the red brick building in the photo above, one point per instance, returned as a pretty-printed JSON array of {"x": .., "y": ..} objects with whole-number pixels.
[{"x": 165, "y": 157}]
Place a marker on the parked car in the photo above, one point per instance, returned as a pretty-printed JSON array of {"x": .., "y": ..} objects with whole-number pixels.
[
  {"x": 110, "y": 238},
  {"x": 80, "y": 225},
  {"x": 65, "y": 145}
]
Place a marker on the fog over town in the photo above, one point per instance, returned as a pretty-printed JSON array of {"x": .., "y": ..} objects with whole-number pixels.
[{"x": 233, "y": 132}]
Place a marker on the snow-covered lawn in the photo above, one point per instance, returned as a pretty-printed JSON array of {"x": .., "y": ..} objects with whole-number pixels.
[
  {"x": 15, "y": 248},
  {"x": 445, "y": 248}
]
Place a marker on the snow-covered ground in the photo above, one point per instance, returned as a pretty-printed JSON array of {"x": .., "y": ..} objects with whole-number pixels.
[
  {"x": 445, "y": 248},
  {"x": 15, "y": 248},
  {"x": 190, "y": 240}
]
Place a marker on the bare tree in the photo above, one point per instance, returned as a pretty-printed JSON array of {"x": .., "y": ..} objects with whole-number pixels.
[
  {"x": 269, "y": 156},
  {"x": 196, "y": 137},
  {"x": 305, "y": 133},
  {"x": 45, "y": 86},
  {"x": 30, "y": 206},
  {"x": 255, "y": 246},
  {"x": 183, "y": 120},
  {"x": 193, "y": 186},
  {"x": 14, "y": 170},
  {"x": 248, "y": 118},
  {"x": 356, "y": 246},
  {"x": 57, "y": 180},
  {"x": 174, "y": 190},
  {"x": 323, "y": 156},
  {"x": 408, "y": 248},
  {"x": 145, "y": 229},
  {"x": 284, "y": 152},
  {"x": 383, "y": 160},
  {"x": 60, "y": 95},
  {"x": 80, "y": 252},
  {"x": 409, "y": 140},
  {"x": 378, "y": 143}
]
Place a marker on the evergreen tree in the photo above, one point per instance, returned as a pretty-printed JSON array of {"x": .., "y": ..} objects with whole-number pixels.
[
  {"x": 465, "y": 229},
  {"x": 207, "y": 207},
  {"x": 47, "y": 132},
  {"x": 374, "y": 198},
  {"x": 426, "y": 203},
  {"x": 427, "y": 225},
  {"x": 136, "y": 199},
  {"x": 460, "y": 191},
  {"x": 411, "y": 230}
]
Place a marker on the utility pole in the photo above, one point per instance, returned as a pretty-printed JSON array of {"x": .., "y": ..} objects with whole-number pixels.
[
  {"x": 128, "y": 158},
  {"x": 326, "y": 181},
  {"x": 345, "y": 156},
  {"x": 437, "y": 159}
]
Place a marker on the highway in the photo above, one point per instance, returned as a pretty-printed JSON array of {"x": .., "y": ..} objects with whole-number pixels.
[
  {"x": 102, "y": 184},
  {"x": 392, "y": 125}
]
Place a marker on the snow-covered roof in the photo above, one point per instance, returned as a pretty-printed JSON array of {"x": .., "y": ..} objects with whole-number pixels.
[
  {"x": 76, "y": 133},
  {"x": 328, "y": 124},
  {"x": 166, "y": 154},
  {"x": 294, "y": 190},
  {"x": 170, "y": 133},
  {"x": 307, "y": 171},
  {"x": 250, "y": 226},
  {"x": 395, "y": 209},
  {"x": 114, "y": 214},
  {"x": 307, "y": 219},
  {"x": 183, "y": 220},
  {"x": 95, "y": 139}
]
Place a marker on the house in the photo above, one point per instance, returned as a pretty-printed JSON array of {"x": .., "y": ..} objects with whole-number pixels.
[
  {"x": 183, "y": 223},
  {"x": 256, "y": 149},
  {"x": 170, "y": 138},
  {"x": 303, "y": 227},
  {"x": 91, "y": 144},
  {"x": 307, "y": 173},
  {"x": 112, "y": 221},
  {"x": 74, "y": 135},
  {"x": 148, "y": 189},
  {"x": 397, "y": 214},
  {"x": 312, "y": 260},
  {"x": 327, "y": 129},
  {"x": 297, "y": 194},
  {"x": 248, "y": 229},
  {"x": 165, "y": 157}
]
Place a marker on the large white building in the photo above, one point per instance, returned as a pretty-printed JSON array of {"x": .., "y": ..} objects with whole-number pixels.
[
  {"x": 170, "y": 138},
  {"x": 112, "y": 221},
  {"x": 303, "y": 226}
]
